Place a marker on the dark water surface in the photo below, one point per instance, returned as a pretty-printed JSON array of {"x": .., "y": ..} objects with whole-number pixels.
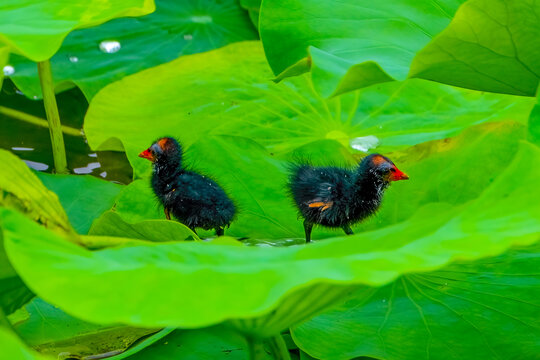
[{"x": 32, "y": 142}]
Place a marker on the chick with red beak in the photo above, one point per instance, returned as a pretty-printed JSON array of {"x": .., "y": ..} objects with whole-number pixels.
[
  {"x": 338, "y": 198},
  {"x": 194, "y": 199}
]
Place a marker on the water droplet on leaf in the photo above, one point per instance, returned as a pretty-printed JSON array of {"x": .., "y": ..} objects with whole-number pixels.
[
  {"x": 9, "y": 70},
  {"x": 74, "y": 59},
  {"x": 364, "y": 143},
  {"x": 109, "y": 46},
  {"x": 188, "y": 37}
]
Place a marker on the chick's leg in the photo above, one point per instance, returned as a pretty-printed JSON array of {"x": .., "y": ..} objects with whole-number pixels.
[
  {"x": 347, "y": 229},
  {"x": 220, "y": 231},
  {"x": 167, "y": 213},
  {"x": 307, "y": 229}
]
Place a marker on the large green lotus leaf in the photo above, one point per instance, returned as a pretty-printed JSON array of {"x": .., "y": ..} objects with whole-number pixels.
[
  {"x": 84, "y": 198},
  {"x": 487, "y": 309},
  {"x": 354, "y": 43},
  {"x": 21, "y": 189},
  {"x": 111, "y": 224},
  {"x": 244, "y": 284},
  {"x": 490, "y": 45},
  {"x": 234, "y": 97},
  {"x": 36, "y": 28},
  {"x": 203, "y": 344},
  {"x": 14, "y": 349},
  {"x": 53, "y": 332},
  {"x": 175, "y": 28}
]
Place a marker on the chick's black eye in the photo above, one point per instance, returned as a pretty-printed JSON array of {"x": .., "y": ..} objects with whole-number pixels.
[{"x": 392, "y": 170}]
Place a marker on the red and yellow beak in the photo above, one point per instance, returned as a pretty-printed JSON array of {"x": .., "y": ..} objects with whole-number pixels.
[
  {"x": 147, "y": 154},
  {"x": 398, "y": 175}
]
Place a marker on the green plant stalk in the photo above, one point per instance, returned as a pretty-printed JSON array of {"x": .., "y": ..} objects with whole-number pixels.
[
  {"x": 278, "y": 348},
  {"x": 274, "y": 346},
  {"x": 255, "y": 349},
  {"x": 51, "y": 109},
  {"x": 34, "y": 120}
]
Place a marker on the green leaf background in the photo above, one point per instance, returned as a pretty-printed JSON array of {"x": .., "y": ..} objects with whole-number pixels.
[
  {"x": 174, "y": 29},
  {"x": 51, "y": 331},
  {"x": 84, "y": 198},
  {"x": 488, "y": 46},
  {"x": 472, "y": 195},
  {"x": 234, "y": 97},
  {"x": 487, "y": 309},
  {"x": 345, "y": 38},
  {"x": 36, "y": 29},
  {"x": 14, "y": 348},
  {"x": 291, "y": 121}
]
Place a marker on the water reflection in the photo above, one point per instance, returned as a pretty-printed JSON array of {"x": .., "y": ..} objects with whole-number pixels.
[
  {"x": 32, "y": 143},
  {"x": 36, "y": 165},
  {"x": 88, "y": 169}
]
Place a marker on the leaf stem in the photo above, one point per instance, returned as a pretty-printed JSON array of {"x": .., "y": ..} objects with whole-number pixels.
[
  {"x": 278, "y": 348},
  {"x": 256, "y": 349},
  {"x": 260, "y": 349},
  {"x": 34, "y": 120},
  {"x": 51, "y": 109}
]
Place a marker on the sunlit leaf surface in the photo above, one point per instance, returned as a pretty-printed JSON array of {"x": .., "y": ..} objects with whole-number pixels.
[
  {"x": 487, "y": 309},
  {"x": 234, "y": 97},
  {"x": 488, "y": 46},
  {"x": 36, "y": 28},
  {"x": 83, "y": 197},
  {"x": 176, "y": 28},
  {"x": 346, "y": 38},
  {"x": 14, "y": 349}
]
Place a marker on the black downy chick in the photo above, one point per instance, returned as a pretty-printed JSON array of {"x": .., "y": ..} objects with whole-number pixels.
[
  {"x": 336, "y": 197},
  {"x": 194, "y": 199}
]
